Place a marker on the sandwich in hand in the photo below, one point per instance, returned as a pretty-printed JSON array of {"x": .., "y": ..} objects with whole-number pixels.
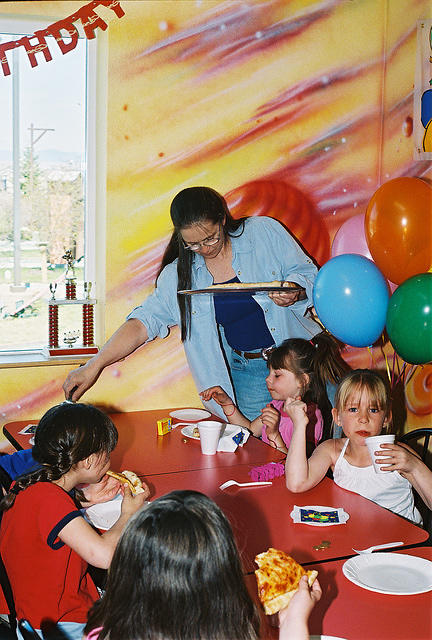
[
  {"x": 278, "y": 579},
  {"x": 130, "y": 478}
]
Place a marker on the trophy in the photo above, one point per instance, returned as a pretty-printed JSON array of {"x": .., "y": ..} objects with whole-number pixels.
[
  {"x": 71, "y": 337},
  {"x": 70, "y": 275}
]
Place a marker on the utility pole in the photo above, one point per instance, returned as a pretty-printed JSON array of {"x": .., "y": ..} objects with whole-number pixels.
[{"x": 33, "y": 141}]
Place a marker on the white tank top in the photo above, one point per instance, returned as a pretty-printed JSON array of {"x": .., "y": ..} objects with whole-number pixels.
[{"x": 389, "y": 490}]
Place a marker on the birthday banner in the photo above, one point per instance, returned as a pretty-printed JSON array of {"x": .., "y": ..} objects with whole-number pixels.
[
  {"x": 423, "y": 92},
  {"x": 89, "y": 19}
]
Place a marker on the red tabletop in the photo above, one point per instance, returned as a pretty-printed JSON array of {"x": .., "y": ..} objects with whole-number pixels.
[
  {"x": 143, "y": 451},
  {"x": 348, "y": 611},
  {"x": 260, "y": 516}
]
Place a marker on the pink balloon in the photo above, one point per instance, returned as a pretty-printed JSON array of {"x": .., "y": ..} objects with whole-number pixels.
[{"x": 351, "y": 238}]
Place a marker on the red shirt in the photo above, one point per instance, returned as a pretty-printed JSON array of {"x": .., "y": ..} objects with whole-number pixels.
[{"x": 49, "y": 580}]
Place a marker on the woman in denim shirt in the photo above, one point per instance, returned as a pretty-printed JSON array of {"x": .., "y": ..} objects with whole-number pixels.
[{"x": 224, "y": 335}]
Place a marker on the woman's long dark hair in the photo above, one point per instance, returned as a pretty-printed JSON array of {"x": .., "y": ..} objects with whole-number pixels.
[
  {"x": 320, "y": 358},
  {"x": 176, "y": 574},
  {"x": 66, "y": 434},
  {"x": 194, "y": 205}
]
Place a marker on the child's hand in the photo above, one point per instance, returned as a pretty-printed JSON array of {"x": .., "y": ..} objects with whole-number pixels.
[
  {"x": 102, "y": 491},
  {"x": 217, "y": 394},
  {"x": 296, "y": 409},
  {"x": 270, "y": 417},
  {"x": 293, "y": 619},
  {"x": 131, "y": 503},
  {"x": 396, "y": 458}
]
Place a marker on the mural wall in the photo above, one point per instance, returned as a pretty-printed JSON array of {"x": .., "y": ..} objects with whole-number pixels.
[{"x": 298, "y": 110}]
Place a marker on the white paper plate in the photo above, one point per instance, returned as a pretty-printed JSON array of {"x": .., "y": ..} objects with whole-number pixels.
[
  {"x": 105, "y": 514},
  {"x": 325, "y": 638},
  {"x": 393, "y": 573},
  {"x": 191, "y": 415},
  {"x": 187, "y": 431},
  {"x": 343, "y": 515}
]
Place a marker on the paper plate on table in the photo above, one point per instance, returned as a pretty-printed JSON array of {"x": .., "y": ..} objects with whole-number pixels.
[
  {"x": 319, "y": 516},
  {"x": 105, "y": 514},
  {"x": 326, "y": 638},
  {"x": 190, "y": 415},
  {"x": 188, "y": 430},
  {"x": 393, "y": 573}
]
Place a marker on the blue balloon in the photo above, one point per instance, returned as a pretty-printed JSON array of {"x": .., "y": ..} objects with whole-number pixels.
[{"x": 351, "y": 297}]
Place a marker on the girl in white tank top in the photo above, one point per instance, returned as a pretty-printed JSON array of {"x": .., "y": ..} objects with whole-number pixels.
[{"x": 362, "y": 409}]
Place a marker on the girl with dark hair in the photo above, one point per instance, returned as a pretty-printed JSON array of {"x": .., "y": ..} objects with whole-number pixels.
[
  {"x": 299, "y": 369},
  {"x": 224, "y": 335},
  {"x": 45, "y": 542},
  {"x": 176, "y": 574}
]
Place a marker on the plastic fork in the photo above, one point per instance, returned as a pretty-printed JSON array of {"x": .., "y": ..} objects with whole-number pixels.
[
  {"x": 378, "y": 546},
  {"x": 231, "y": 483}
]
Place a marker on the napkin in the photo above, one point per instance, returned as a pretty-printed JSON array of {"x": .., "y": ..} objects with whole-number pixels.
[
  {"x": 233, "y": 437},
  {"x": 324, "y": 516}
]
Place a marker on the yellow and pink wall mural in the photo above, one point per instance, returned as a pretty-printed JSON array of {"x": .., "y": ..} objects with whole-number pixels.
[{"x": 295, "y": 109}]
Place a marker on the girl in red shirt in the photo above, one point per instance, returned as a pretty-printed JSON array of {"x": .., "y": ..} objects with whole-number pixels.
[{"x": 45, "y": 542}]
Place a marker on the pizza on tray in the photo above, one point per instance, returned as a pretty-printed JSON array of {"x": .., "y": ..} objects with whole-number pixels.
[
  {"x": 278, "y": 579},
  {"x": 254, "y": 285}
]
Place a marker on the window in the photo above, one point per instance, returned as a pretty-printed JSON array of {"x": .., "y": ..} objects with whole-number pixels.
[{"x": 46, "y": 202}]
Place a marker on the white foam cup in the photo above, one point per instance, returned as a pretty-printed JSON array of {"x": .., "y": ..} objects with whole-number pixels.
[
  {"x": 210, "y": 431},
  {"x": 373, "y": 444}
]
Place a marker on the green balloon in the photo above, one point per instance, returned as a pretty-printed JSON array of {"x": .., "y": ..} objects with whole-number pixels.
[{"x": 409, "y": 319}]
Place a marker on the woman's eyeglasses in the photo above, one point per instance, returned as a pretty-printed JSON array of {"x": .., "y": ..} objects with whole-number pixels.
[{"x": 207, "y": 242}]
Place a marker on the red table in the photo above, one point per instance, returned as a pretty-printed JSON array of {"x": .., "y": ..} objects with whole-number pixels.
[
  {"x": 348, "y": 611},
  {"x": 143, "y": 451},
  {"x": 260, "y": 516}
]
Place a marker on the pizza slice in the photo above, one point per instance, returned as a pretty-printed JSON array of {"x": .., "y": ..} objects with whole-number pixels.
[
  {"x": 254, "y": 285},
  {"x": 130, "y": 478},
  {"x": 278, "y": 579}
]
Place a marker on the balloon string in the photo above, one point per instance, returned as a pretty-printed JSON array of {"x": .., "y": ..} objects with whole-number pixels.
[
  {"x": 411, "y": 373},
  {"x": 401, "y": 374},
  {"x": 393, "y": 368},
  {"x": 390, "y": 377},
  {"x": 373, "y": 361}
]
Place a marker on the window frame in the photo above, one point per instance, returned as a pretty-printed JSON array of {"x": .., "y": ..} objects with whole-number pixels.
[{"x": 95, "y": 175}]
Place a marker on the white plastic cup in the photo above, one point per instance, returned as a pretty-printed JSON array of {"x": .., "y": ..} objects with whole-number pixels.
[
  {"x": 373, "y": 444},
  {"x": 210, "y": 431}
]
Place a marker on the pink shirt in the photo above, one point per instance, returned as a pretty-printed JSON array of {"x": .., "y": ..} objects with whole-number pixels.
[{"x": 314, "y": 429}]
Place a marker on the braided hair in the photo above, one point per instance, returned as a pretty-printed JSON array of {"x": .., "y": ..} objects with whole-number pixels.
[{"x": 67, "y": 434}]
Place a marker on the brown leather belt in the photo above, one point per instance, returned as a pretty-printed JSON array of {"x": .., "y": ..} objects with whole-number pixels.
[{"x": 249, "y": 355}]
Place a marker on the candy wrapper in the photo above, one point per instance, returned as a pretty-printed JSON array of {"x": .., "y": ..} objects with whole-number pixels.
[{"x": 318, "y": 516}]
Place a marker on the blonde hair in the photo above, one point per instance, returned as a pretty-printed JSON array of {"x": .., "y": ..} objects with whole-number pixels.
[{"x": 361, "y": 380}]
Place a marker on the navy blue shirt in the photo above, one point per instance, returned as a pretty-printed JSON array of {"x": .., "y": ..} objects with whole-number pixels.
[
  {"x": 18, "y": 463},
  {"x": 243, "y": 320}
]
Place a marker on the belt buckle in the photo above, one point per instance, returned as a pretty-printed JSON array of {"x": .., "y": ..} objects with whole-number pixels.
[{"x": 266, "y": 352}]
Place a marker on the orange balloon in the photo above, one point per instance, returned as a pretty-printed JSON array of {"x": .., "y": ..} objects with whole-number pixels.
[{"x": 398, "y": 228}]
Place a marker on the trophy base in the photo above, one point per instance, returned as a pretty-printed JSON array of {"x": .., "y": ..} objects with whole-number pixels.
[{"x": 69, "y": 351}]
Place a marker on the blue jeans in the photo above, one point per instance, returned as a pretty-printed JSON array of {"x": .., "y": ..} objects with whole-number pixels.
[
  {"x": 66, "y": 631},
  {"x": 248, "y": 379}
]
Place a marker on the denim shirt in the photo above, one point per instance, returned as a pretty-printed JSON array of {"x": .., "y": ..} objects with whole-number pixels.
[{"x": 264, "y": 252}]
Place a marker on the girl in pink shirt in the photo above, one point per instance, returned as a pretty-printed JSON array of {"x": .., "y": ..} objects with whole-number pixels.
[{"x": 298, "y": 369}]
